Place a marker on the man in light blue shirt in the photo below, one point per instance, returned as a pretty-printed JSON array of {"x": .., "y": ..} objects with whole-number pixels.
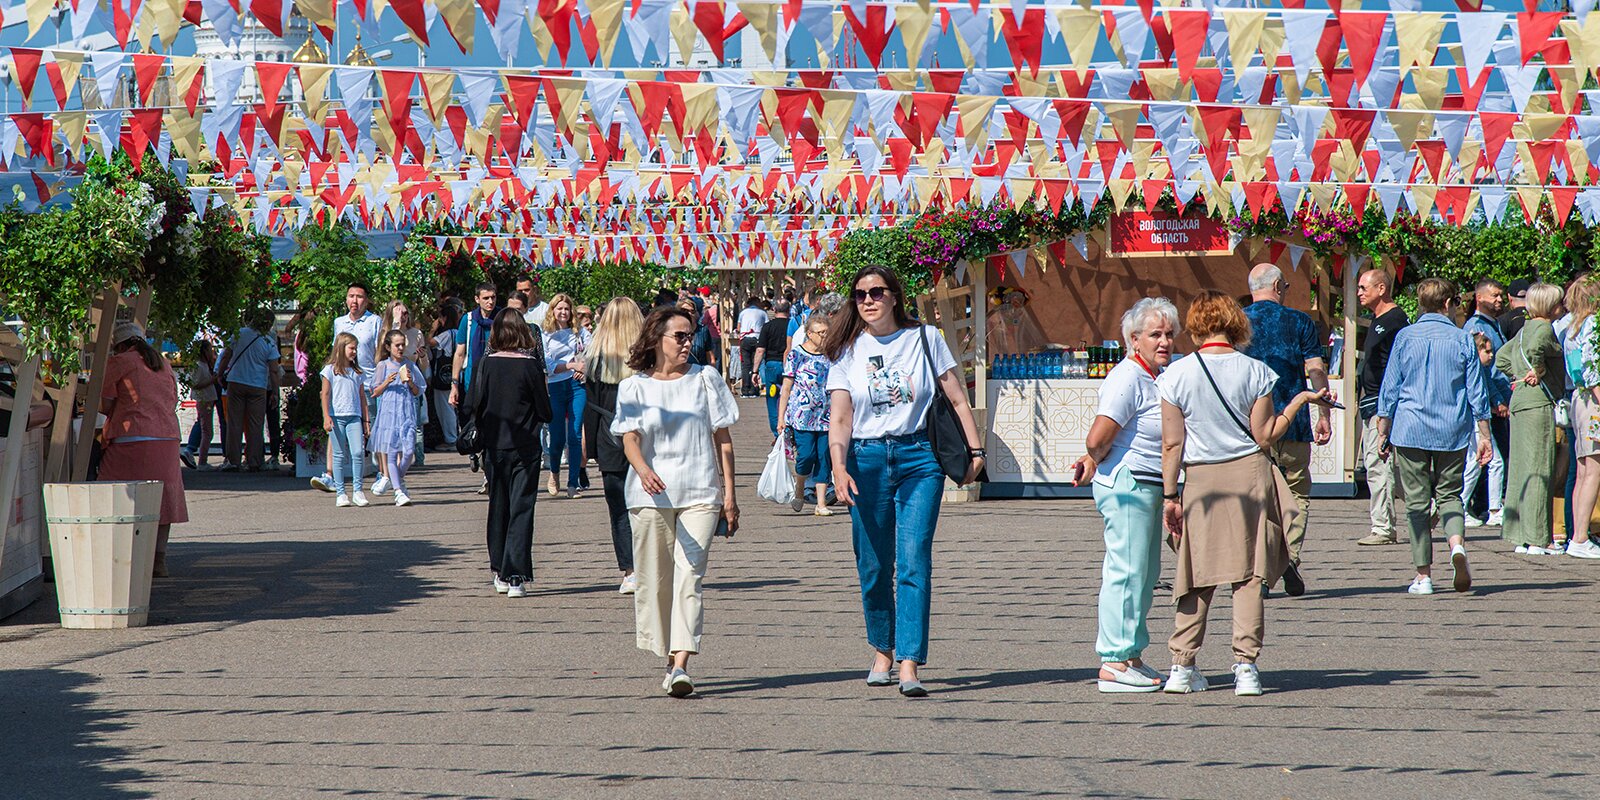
[
  {"x": 1490, "y": 301},
  {"x": 1433, "y": 397}
]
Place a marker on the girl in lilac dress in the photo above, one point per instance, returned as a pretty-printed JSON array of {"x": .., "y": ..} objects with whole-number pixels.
[{"x": 396, "y": 382}]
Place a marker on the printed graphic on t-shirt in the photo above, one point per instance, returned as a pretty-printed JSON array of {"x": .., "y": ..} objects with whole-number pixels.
[{"x": 887, "y": 386}]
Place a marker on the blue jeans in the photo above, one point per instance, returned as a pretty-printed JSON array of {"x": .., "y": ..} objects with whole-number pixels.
[
  {"x": 771, "y": 375},
  {"x": 567, "y": 399},
  {"x": 349, "y": 456},
  {"x": 1132, "y": 511},
  {"x": 898, "y": 491},
  {"x": 811, "y": 456}
]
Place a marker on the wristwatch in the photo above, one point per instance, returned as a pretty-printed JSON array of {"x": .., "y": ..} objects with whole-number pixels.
[{"x": 977, "y": 452}]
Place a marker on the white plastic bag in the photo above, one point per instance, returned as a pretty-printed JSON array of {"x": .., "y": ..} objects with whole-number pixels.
[{"x": 777, "y": 480}]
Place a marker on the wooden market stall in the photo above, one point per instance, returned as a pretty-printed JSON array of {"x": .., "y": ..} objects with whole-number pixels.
[{"x": 1076, "y": 294}]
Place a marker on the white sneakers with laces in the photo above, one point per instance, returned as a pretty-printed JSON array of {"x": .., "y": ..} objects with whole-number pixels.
[
  {"x": 359, "y": 499},
  {"x": 1584, "y": 549},
  {"x": 1184, "y": 680},
  {"x": 1420, "y": 585},
  {"x": 402, "y": 499},
  {"x": 630, "y": 584},
  {"x": 1246, "y": 680},
  {"x": 342, "y": 501},
  {"x": 380, "y": 486}
]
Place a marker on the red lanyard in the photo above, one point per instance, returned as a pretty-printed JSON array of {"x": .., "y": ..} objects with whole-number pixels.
[
  {"x": 1215, "y": 344},
  {"x": 1146, "y": 366}
]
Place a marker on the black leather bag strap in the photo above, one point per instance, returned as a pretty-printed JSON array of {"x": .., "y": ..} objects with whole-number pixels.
[{"x": 1225, "y": 407}]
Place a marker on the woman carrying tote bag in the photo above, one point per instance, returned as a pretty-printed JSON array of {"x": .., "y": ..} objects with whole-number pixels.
[
  {"x": 886, "y": 370},
  {"x": 1228, "y": 522}
]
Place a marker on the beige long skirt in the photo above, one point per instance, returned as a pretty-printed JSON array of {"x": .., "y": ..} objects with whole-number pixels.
[{"x": 1235, "y": 514}]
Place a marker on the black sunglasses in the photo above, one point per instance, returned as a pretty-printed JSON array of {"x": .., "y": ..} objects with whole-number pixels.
[
  {"x": 681, "y": 337},
  {"x": 877, "y": 293}
]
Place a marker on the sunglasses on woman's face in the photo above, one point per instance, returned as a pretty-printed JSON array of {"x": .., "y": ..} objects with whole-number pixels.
[
  {"x": 681, "y": 337},
  {"x": 876, "y": 293}
]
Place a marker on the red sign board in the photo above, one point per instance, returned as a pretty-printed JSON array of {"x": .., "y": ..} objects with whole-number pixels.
[{"x": 1140, "y": 233}]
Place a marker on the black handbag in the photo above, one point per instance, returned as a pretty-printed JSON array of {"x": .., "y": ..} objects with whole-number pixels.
[
  {"x": 468, "y": 443},
  {"x": 944, "y": 427}
]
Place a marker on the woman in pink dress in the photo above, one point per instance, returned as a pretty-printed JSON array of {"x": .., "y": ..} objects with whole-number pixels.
[{"x": 140, "y": 402}]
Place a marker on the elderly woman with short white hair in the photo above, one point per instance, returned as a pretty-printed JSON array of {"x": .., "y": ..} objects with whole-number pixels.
[{"x": 1124, "y": 464}]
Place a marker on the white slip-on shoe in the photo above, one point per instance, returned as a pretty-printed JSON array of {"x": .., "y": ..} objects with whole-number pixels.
[
  {"x": 1148, "y": 672},
  {"x": 1184, "y": 680},
  {"x": 1420, "y": 585},
  {"x": 1126, "y": 681},
  {"x": 1246, "y": 680}
]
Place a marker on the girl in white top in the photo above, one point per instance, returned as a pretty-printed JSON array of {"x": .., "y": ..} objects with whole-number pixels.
[
  {"x": 344, "y": 417},
  {"x": 880, "y": 390},
  {"x": 673, "y": 419},
  {"x": 563, "y": 361}
]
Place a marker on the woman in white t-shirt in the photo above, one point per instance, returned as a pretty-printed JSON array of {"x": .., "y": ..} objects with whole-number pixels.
[
  {"x": 673, "y": 418},
  {"x": 1124, "y": 463},
  {"x": 880, "y": 389},
  {"x": 1229, "y": 520}
]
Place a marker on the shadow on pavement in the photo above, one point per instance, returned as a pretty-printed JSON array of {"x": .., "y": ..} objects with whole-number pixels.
[
  {"x": 1442, "y": 586},
  {"x": 240, "y": 581},
  {"x": 769, "y": 683},
  {"x": 1288, "y": 680},
  {"x": 1020, "y": 677},
  {"x": 53, "y": 749},
  {"x": 758, "y": 584}
]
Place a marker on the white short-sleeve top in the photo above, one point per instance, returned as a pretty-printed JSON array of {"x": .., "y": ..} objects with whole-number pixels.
[
  {"x": 1128, "y": 397},
  {"x": 1211, "y": 436},
  {"x": 675, "y": 420},
  {"x": 890, "y": 381}
]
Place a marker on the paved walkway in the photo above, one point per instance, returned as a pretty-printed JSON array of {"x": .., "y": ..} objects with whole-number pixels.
[{"x": 303, "y": 652}]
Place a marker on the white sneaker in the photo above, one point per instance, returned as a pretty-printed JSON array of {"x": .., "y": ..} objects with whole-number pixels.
[
  {"x": 483, "y": 488},
  {"x": 380, "y": 486},
  {"x": 1246, "y": 680},
  {"x": 501, "y": 586},
  {"x": 1584, "y": 549},
  {"x": 323, "y": 482},
  {"x": 342, "y": 501},
  {"x": 1420, "y": 585},
  {"x": 678, "y": 683},
  {"x": 517, "y": 589},
  {"x": 1184, "y": 680},
  {"x": 402, "y": 499},
  {"x": 1473, "y": 522},
  {"x": 359, "y": 499},
  {"x": 1523, "y": 550},
  {"x": 630, "y": 584},
  {"x": 1496, "y": 519},
  {"x": 1461, "y": 578}
]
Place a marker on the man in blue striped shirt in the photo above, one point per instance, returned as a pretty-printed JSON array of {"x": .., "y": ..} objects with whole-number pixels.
[{"x": 1433, "y": 397}]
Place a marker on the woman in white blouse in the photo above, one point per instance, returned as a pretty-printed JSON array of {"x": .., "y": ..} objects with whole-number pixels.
[
  {"x": 1123, "y": 461},
  {"x": 673, "y": 418},
  {"x": 563, "y": 360}
]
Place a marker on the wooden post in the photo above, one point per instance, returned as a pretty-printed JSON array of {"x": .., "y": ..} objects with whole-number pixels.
[
  {"x": 105, "y": 322},
  {"x": 16, "y": 445},
  {"x": 1347, "y": 373}
]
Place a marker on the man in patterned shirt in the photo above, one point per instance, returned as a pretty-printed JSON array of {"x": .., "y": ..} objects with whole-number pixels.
[{"x": 1289, "y": 342}]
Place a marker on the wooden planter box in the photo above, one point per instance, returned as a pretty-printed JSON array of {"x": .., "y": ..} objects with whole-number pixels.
[{"x": 103, "y": 549}]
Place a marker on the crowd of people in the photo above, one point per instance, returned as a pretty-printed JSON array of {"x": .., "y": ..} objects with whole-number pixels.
[
  {"x": 1208, "y": 452},
  {"x": 1224, "y": 435}
]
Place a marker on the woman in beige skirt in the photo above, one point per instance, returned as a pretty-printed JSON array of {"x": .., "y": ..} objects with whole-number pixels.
[{"x": 1228, "y": 522}]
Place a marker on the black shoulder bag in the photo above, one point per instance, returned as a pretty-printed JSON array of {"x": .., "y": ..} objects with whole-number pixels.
[
  {"x": 944, "y": 427},
  {"x": 468, "y": 443}
]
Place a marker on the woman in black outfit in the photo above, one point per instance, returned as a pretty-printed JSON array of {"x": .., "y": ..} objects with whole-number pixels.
[
  {"x": 607, "y": 365},
  {"x": 509, "y": 402}
]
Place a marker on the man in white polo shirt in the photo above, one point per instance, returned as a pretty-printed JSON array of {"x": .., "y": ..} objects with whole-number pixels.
[{"x": 366, "y": 326}]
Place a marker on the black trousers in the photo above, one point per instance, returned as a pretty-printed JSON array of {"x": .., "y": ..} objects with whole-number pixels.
[
  {"x": 621, "y": 527},
  {"x": 513, "y": 488},
  {"x": 747, "y": 351}
]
